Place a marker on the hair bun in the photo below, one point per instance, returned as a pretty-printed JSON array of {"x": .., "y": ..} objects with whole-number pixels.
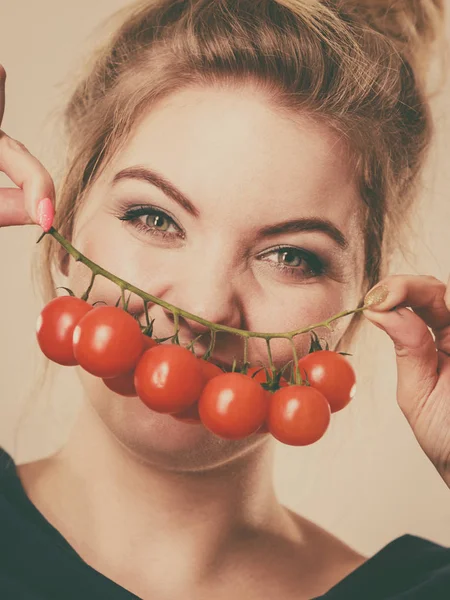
[{"x": 412, "y": 25}]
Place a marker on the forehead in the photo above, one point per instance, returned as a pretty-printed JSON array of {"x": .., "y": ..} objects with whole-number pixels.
[{"x": 231, "y": 145}]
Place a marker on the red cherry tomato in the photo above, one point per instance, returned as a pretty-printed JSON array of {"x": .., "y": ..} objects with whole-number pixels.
[
  {"x": 233, "y": 406},
  {"x": 148, "y": 343},
  {"x": 209, "y": 369},
  {"x": 124, "y": 384},
  {"x": 264, "y": 427},
  {"x": 191, "y": 415},
  {"x": 107, "y": 342},
  {"x": 55, "y": 325},
  {"x": 257, "y": 374},
  {"x": 298, "y": 415},
  {"x": 168, "y": 378},
  {"x": 331, "y": 374},
  {"x": 261, "y": 377}
]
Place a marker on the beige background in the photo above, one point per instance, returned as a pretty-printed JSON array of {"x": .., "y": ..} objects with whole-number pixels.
[{"x": 367, "y": 480}]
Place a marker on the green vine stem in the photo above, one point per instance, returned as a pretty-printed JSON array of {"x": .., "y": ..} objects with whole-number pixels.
[
  {"x": 246, "y": 363},
  {"x": 176, "y": 326},
  {"x": 147, "y": 317},
  {"x": 177, "y": 312},
  {"x": 269, "y": 354},
  {"x": 85, "y": 296},
  {"x": 296, "y": 371}
]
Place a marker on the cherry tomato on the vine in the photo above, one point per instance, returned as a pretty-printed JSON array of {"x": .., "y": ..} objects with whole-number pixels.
[
  {"x": 299, "y": 415},
  {"x": 330, "y": 373},
  {"x": 233, "y": 406},
  {"x": 55, "y": 325},
  {"x": 259, "y": 374},
  {"x": 191, "y": 415},
  {"x": 209, "y": 369},
  {"x": 107, "y": 342},
  {"x": 264, "y": 428},
  {"x": 149, "y": 342},
  {"x": 124, "y": 384},
  {"x": 168, "y": 378}
]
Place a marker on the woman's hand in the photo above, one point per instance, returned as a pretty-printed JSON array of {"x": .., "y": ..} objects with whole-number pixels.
[
  {"x": 33, "y": 201},
  {"x": 423, "y": 363}
]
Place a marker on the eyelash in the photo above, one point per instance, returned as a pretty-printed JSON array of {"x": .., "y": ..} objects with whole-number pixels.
[
  {"x": 316, "y": 266},
  {"x": 133, "y": 214}
]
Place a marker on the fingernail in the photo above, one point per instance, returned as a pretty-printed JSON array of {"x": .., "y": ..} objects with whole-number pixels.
[
  {"x": 376, "y": 296},
  {"x": 45, "y": 213}
]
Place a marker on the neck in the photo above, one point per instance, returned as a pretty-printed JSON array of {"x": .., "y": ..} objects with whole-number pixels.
[{"x": 113, "y": 506}]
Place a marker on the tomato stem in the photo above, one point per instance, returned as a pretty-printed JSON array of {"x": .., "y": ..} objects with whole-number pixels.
[
  {"x": 122, "y": 294},
  {"x": 147, "y": 318},
  {"x": 176, "y": 325},
  {"x": 177, "y": 312},
  {"x": 271, "y": 365},
  {"x": 297, "y": 375},
  {"x": 191, "y": 345},
  {"x": 85, "y": 296},
  {"x": 246, "y": 363},
  {"x": 212, "y": 343}
]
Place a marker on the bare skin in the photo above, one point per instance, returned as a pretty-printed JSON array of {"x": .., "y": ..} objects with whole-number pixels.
[
  {"x": 227, "y": 537},
  {"x": 139, "y": 495}
]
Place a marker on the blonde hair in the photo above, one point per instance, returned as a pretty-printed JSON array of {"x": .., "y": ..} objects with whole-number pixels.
[{"x": 359, "y": 66}]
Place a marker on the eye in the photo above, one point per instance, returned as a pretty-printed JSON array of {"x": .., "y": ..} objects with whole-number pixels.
[
  {"x": 294, "y": 262},
  {"x": 152, "y": 221},
  {"x": 289, "y": 257},
  {"x": 158, "y": 221}
]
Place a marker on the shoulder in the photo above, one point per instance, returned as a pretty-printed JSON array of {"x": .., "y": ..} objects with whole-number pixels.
[
  {"x": 8, "y": 474},
  {"x": 16, "y": 482},
  {"x": 411, "y": 551},
  {"x": 7, "y": 465},
  {"x": 409, "y": 567},
  {"x": 334, "y": 559}
]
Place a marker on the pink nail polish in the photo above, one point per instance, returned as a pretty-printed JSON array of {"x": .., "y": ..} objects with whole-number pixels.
[{"x": 45, "y": 213}]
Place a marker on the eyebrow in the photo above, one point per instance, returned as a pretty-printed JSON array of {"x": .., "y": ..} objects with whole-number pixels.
[
  {"x": 308, "y": 224},
  {"x": 154, "y": 178},
  {"x": 320, "y": 224}
]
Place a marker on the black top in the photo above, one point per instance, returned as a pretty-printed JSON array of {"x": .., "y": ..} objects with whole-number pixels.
[{"x": 37, "y": 563}]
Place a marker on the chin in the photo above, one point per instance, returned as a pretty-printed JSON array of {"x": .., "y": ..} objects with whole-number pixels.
[{"x": 159, "y": 439}]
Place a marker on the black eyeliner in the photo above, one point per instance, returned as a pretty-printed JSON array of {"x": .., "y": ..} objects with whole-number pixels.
[
  {"x": 314, "y": 262},
  {"x": 131, "y": 213}
]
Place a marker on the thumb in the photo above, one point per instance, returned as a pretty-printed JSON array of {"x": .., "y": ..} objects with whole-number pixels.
[{"x": 416, "y": 356}]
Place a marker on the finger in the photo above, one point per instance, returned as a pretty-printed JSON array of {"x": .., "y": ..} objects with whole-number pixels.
[
  {"x": 2, "y": 92},
  {"x": 424, "y": 294},
  {"x": 12, "y": 208},
  {"x": 416, "y": 356},
  {"x": 27, "y": 173},
  {"x": 447, "y": 294}
]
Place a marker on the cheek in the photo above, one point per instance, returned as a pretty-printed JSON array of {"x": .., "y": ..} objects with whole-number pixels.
[
  {"x": 112, "y": 248},
  {"x": 300, "y": 307}
]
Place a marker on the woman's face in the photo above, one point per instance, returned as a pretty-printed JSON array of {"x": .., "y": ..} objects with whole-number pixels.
[{"x": 232, "y": 211}]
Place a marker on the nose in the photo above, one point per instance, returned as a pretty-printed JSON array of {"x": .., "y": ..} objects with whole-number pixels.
[{"x": 210, "y": 294}]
